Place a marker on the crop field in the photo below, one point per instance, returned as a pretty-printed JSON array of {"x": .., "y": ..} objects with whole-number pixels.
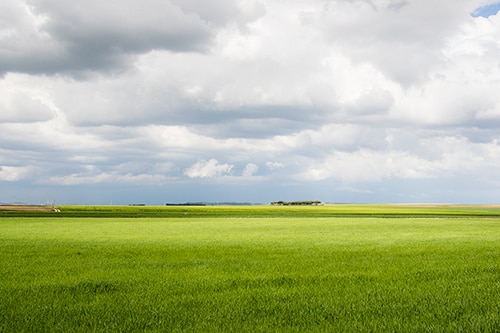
[{"x": 339, "y": 268}]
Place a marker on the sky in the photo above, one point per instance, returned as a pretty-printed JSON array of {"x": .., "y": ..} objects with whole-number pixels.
[{"x": 156, "y": 101}]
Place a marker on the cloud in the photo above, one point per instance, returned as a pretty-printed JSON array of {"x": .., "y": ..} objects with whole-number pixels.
[
  {"x": 13, "y": 173},
  {"x": 23, "y": 107},
  {"x": 106, "y": 178},
  {"x": 95, "y": 172},
  {"x": 250, "y": 170},
  {"x": 441, "y": 156},
  {"x": 401, "y": 38},
  {"x": 373, "y": 97},
  {"x": 208, "y": 169},
  {"x": 50, "y": 36},
  {"x": 275, "y": 165},
  {"x": 366, "y": 165}
]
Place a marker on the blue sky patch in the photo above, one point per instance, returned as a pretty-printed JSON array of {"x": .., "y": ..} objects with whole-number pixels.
[{"x": 487, "y": 11}]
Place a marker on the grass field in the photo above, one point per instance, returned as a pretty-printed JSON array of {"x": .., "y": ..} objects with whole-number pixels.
[{"x": 243, "y": 269}]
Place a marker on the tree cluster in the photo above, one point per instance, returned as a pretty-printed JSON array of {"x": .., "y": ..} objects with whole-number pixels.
[{"x": 297, "y": 203}]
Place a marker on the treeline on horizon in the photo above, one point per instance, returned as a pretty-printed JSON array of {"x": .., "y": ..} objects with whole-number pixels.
[
  {"x": 274, "y": 203},
  {"x": 297, "y": 203},
  {"x": 213, "y": 204}
]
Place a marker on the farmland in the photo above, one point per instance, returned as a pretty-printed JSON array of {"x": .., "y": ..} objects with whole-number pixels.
[{"x": 251, "y": 269}]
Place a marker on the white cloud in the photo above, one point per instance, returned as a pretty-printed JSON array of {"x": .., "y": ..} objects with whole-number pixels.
[
  {"x": 23, "y": 103},
  {"x": 96, "y": 176},
  {"x": 345, "y": 92},
  {"x": 14, "y": 173},
  {"x": 445, "y": 156},
  {"x": 250, "y": 170},
  {"x": 403, "y": 39},
  {"x": 208, "y": 169},
  {"x": 78, "y": 179},
  {"x": 275, "y": 165},
  {"x": 368, "y": 165}
]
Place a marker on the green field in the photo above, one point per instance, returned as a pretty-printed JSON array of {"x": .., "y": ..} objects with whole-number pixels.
[{"x": 345, "y": 268}]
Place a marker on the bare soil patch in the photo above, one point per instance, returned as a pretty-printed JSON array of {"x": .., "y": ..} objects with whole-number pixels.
[{"x": 28, "y": 208}]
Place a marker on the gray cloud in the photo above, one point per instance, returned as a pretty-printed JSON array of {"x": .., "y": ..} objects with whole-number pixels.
[{"x": 51, "y": 36}]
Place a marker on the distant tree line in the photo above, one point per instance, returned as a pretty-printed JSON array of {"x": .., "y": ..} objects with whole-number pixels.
[
  {"x": 222, "y": 203},
  {"x": 187, "y": 204},
  {"x": 297, "y": 203}
]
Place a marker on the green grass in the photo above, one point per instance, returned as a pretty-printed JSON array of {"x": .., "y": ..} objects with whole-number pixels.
[{"x": 250, "y": 274}]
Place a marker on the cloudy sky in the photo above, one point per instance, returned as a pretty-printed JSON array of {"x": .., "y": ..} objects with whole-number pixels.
[{"x": 155, "y": 101}]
